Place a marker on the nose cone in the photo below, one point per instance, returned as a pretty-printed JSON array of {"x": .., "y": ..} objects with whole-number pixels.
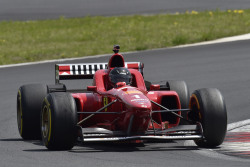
[
  {"x": 138, "y": 102},
  {"x": 138, "y": 105},
  {"x": 133, "y": 99},
  {"x": 140, "y": 108},
  {"x": 141, "y": 104}
]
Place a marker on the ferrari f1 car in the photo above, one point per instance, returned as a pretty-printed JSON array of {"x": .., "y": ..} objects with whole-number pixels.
[{"x": 119, "y": 106}]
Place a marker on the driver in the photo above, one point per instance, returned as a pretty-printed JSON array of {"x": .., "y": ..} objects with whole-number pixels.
[{"x": 120, "y": 74}]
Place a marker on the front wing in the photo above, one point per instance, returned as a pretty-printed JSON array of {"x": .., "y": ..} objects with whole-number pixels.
[{"x": 181, "y": 132}]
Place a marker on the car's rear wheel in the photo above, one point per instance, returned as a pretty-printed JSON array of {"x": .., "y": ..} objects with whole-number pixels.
[
  {"x": 208, "y": 107},
  {"x": 29, "y": 102},
  {"x": 181, "y": 88},
  {"x": 58, "y": 121}
]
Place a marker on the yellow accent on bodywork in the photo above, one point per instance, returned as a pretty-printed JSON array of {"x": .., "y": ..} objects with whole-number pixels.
[
  {"x": 133, "y": 92},
  {"x": 105, "y": 102}
]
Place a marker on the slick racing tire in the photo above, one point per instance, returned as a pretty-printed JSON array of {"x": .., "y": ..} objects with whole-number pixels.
[
  {"x": 208, "y": 107},
  {"x": 29, "y": 103},
  {"x": 59, "y": 121},
  {"x": 181, "y": 88}
]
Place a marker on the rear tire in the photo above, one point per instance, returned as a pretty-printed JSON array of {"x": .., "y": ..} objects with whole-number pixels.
[
  {"x": 59, "y": 121},
  {"x": 181, "y": 88},
  {"x": 208, "y": 107},
  {"x": 29, "y": 103}
]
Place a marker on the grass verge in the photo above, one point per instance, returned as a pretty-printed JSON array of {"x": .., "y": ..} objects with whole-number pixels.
[{"x": 77, "y": 37}]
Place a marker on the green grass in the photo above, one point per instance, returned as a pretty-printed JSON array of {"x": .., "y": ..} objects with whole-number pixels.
[{"x": 77, "y": 37}]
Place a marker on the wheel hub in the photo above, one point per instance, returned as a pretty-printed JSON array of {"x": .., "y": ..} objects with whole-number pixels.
[{"x": 46, "y": 119}]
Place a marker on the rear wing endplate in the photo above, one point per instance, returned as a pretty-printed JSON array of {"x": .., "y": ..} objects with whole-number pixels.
[{"x": 87, "y": 70}]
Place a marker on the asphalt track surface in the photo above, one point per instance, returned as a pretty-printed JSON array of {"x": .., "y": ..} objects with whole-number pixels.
[
  {"x": 224, "y": 66},
  {"x": 44, "y": 9}
]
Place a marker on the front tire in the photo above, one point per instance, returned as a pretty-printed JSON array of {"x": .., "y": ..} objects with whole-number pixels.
[
  {"x": 59, "y": 121},
  {"x": 29, "y": 102},
  {"x": 208, "y": 107}
]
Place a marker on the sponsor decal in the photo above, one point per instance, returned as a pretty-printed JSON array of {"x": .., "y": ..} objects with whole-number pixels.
[
  {"x": 133, "y": 92},
  {"x": 138, "y": 100},
  {"x": 136, "y": 96}
]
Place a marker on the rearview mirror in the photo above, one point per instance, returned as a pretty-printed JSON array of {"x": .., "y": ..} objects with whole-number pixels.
[
  {"x": 154, "y": 87},
  {"x": 92, "y": 88}
]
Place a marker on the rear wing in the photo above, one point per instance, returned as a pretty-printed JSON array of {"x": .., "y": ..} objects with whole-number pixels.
[{"x": 87, "y": 70}]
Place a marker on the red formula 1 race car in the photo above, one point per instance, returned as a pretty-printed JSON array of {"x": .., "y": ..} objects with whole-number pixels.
[{"x": 118, "y": 107}]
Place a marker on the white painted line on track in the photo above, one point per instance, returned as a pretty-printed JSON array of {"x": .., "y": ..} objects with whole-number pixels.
[
  {"x": 53, "y": 61},
  {"x": 222, "y": 40},
  {"x": 227, "y": 148},
  {"x": 212, "y": 153},
  {"x": 239, "y": 124}
]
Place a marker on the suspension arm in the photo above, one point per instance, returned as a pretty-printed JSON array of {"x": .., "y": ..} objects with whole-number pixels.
[{"x": 98, "y": 111}]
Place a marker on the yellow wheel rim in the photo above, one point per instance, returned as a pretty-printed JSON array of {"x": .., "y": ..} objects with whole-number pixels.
[
  {"x": 194, "y": 102},
  {"x": 19, "y": 113},
  {"x": 46, "y": 122}
]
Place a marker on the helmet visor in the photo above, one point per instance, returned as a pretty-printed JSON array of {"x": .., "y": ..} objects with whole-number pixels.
[{"x": 121, "y": 78}]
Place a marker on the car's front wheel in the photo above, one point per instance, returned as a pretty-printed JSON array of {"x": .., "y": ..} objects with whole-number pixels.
[
  {"x": 59, "y": 121},
  {"x": 208, "y": 107}
]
